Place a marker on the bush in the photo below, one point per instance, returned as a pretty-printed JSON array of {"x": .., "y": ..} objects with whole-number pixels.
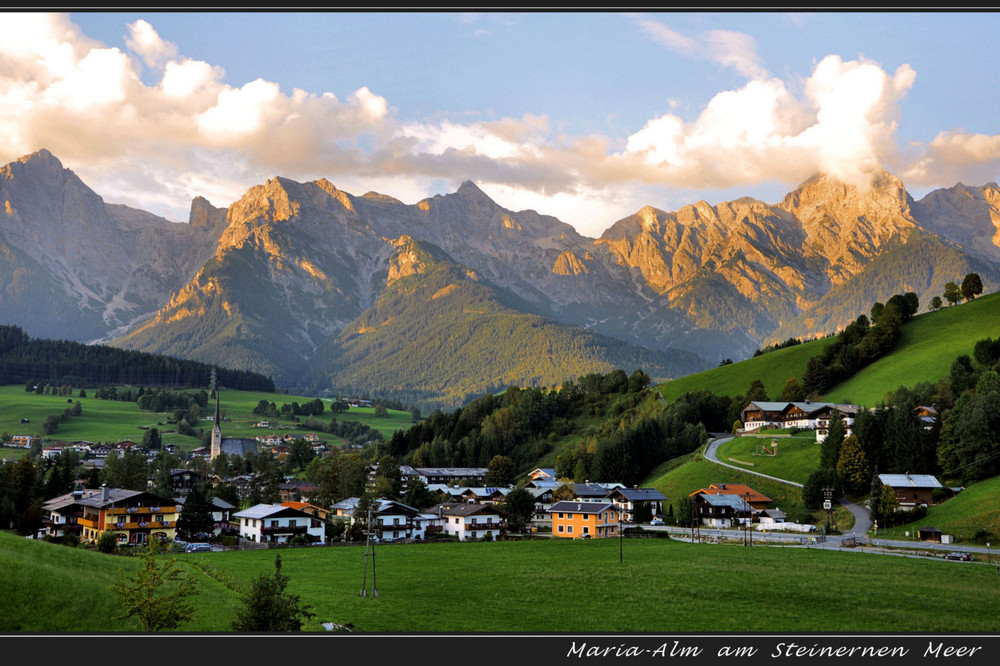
[{"x": 107, "y": 543}]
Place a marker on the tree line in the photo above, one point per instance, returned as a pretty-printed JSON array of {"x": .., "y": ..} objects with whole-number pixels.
[{"x": 56, "y": 362}]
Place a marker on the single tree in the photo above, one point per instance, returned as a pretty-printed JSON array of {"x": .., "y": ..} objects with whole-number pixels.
[
  {"x": 793, "y": 391},
  {"x": 196, "y": 516},
  {"x": 519, "y": 507},
  {"x": 268, "y": 607},
  {"x": 499, "y": 471},
  {"x": 952, "y": 293},
  {"x": 936, "y": 303},
  {"x": 157, "y": 595},
  {"x": 829, "y": 451},
  {"x": 972, "y": 286},
  {"x": 852, "y": 467}
]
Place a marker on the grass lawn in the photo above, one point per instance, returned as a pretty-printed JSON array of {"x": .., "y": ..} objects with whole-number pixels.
[
  {"x": 537, "y": 586},
  {"x": 797, "y": 456}
]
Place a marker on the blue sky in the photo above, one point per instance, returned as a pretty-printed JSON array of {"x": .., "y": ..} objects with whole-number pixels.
[{"x": 587, "y": 116}]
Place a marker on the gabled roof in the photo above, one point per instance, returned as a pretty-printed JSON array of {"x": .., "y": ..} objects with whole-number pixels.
[
  {"x": 464, "y": 509},
  {"x": 909, "y": 480},
  {"x": 740, "y": 489},
  {"x": 569, "y": 506},
  {"x": 590, "y": 490},
  {"x": 734, "y": 501},
  {"x": 640, "y": 494},
  {"x": 259, "y": 511}
]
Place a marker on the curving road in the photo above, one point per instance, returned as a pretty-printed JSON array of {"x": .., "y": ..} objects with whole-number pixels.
[{"x": 862, "y": 521}]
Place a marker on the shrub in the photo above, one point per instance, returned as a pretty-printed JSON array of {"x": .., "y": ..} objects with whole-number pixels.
[{"x": 107, "y": 543}]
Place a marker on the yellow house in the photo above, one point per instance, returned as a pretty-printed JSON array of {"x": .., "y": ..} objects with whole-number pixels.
[
  {"x": 584, "y": 520},
  {"x": 134, "y": 516}
]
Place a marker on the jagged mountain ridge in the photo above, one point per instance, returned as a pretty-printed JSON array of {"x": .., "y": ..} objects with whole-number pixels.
[
  {"x": 291, "y": 266},
  {"x": 101, "y": 265}
]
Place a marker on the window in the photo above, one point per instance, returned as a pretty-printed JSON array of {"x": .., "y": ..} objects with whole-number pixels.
[
  {"x": 560, "y": 529},
  {"x": 569, "y": 529},
  {"x": 291, "y": 523}
]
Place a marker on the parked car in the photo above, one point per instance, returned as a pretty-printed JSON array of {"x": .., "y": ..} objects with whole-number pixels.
[
  {"x": 957, "y": 555},
  {"x": 197, "y": 548},
  {"x": 656, "y": 521}
]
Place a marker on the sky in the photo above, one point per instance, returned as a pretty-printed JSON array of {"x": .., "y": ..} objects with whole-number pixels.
[{"x": 586, "y": 116}]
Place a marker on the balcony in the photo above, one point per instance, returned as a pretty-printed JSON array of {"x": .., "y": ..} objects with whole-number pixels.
[
  {"x": 284, "y": 529},
  {"x": 140, "y": 509}
]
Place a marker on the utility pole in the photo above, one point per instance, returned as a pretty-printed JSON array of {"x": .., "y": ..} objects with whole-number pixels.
[{"x": 369, "y": 553}]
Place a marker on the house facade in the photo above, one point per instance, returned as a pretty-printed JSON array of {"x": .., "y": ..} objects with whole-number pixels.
[
  {"x": 912, "y": 489},
  {"x": 584, "y": 520},
  {"x": 629, "y": 499},
  {"x": 470, "y": 522},
  {"x": 274, "y": 523},
  {"x": 133, "y": 516},
  {"x": 805, "y": 415},
  {"x": 721, "y": 511}
]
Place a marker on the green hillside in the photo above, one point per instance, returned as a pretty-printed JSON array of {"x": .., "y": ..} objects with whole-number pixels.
[
  {"x": 929, "y": 344},
  {"x": 473, "y": 339},
  {"x": 659, "y": 585},
  {"x": 773, "y": 369}
]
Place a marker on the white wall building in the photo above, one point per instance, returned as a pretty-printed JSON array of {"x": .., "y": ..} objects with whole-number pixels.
[{"x": 274, "y": 523}]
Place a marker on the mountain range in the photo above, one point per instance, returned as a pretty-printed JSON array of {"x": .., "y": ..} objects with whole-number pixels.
[{"x": 454, "y": 295}]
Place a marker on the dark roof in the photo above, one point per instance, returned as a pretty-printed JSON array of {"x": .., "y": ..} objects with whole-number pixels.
[
  {"x": 462, "y": 509},
  {"x": 590, "y": 490},
  {"x": 569, "y": 506},
  {"x": 238, "y": 447},
  {"x": 640, "y": 494}
]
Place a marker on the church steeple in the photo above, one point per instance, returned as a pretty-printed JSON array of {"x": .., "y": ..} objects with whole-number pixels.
[{"x": 216, "y": 428}]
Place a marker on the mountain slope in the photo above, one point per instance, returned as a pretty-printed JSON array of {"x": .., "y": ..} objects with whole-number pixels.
[
  {"x": 473, "y": 338},
  {"x": 76, "y": 267}
]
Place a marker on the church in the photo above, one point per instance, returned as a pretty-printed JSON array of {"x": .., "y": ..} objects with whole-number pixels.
[{"x": 231, "y": 446}]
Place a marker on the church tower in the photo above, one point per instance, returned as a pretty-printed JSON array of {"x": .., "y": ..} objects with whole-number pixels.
[{"x": 217, "y": 427}]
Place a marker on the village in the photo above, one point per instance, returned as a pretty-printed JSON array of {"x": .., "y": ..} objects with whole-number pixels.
[{"x": 465, "y": 507}]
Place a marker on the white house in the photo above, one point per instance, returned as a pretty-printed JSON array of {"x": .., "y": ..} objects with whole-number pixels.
[
  {"x": 470, "y": 522},
  {"x": 274, "y": 523}
]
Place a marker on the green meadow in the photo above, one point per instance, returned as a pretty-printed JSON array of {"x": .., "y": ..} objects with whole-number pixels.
[
  {"x": 794, "y": 457},
  {"x": 929, "y": 344},
  {"x": 114, "y": 421},
  {"x": 651, "y": 585},
  {"x": 773, "y": 369}
]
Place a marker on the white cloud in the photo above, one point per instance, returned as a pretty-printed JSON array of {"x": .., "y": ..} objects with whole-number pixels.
[{"x": 186, "y": 132}]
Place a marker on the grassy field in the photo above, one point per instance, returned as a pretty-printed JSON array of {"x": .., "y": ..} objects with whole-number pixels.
[
  {"x": 538, "y": 586},
  {"x": 797, "y": 456},
  {"x": 773, "y": 369},
  {"x": 929, "y": 344},
  {"x": 114, "y": 421}
]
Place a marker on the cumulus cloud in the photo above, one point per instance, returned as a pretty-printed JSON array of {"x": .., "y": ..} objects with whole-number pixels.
[{"x": 156, "y": 139}]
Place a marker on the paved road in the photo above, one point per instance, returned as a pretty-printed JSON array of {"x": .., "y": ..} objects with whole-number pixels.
[{"x": 862, "y": 520}]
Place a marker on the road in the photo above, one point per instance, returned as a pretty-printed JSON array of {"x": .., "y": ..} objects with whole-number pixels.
[{"x": 859, "y": 533}]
